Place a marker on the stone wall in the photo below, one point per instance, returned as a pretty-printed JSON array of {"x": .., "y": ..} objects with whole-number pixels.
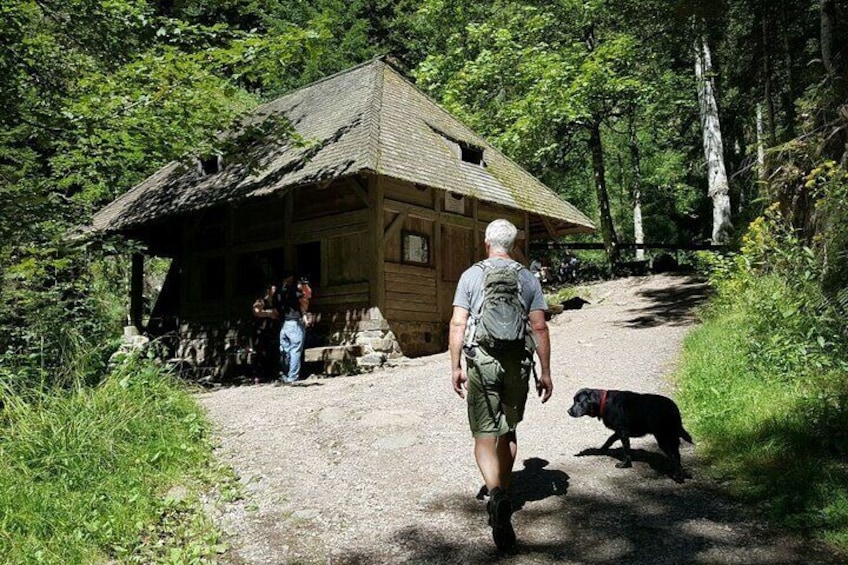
[
  {"x": 376, "y": 338},
  {"x": 214, "y": 347}
]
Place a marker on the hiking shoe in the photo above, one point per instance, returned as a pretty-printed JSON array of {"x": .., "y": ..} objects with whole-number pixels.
[{"x": 500, "y": 514}]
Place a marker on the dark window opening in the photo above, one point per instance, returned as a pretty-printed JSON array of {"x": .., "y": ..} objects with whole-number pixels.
[
  {"x": 213, "y": 279},
  {"x": 473, "y": 155},
  {"x": 211, "y": 164},
  {"x": 255, "y": 271},
  {"x": 309, "y": 262}
]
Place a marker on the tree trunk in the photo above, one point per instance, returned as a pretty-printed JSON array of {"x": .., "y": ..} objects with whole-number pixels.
[
  {"x": 636, "y": 191},
  {"x": 767, "y": 97},
  {"x": 607, "y": 227},
  {"x": 789, "y": 91},
  {"x": 834, "y": 65},
  {"x": 719, "y": 190},
  {"x": 597, "y": 149},
  {"x": 761, "y": 146},
  {"x": 827, "y": 9}
]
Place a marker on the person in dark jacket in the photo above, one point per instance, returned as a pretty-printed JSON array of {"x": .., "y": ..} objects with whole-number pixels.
[{"x": 266, "y": 313}]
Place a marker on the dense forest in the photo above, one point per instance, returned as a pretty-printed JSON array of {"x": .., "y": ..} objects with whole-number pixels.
[{"x": 665, "y": 121}]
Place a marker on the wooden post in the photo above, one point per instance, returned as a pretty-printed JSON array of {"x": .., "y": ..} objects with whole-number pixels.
[
  {"x": 136, "y": 290},
  {"x": 229, "y": 260},
  {"x": 438, "y": 198},
  {"x": 377, "y": 224},
  {"x": 476, "y": 238},
  {"x": 288, "y": 232}
]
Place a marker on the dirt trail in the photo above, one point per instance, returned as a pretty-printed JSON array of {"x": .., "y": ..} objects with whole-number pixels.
[{"x": 378, "y": 468}]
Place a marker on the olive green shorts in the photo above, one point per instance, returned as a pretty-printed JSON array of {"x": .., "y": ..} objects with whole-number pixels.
[{"x": 496, "y": 390}]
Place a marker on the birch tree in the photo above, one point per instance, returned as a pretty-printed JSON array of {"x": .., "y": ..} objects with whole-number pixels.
[
  {"x": 636, "y": 189},
  {"x": 719, "y": 189}
]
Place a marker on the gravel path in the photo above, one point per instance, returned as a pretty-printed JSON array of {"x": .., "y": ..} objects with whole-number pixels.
[{"x": 378, "y": 468}]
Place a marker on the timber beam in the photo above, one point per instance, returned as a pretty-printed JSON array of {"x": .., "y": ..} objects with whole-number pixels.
[
  {"x": 423, "y": 213},
  {"x": 396, "y": 224},
  {"x": 360, "y": 187}
]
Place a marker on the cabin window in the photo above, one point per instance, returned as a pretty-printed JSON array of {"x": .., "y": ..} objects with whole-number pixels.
[
  {"x": 415, "y": 248},
  {"x": 470, "y": 154},
  {"x": 210, "y": 164}
]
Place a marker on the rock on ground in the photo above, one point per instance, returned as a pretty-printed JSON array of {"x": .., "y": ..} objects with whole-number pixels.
[{"x": 378, "y": 468}]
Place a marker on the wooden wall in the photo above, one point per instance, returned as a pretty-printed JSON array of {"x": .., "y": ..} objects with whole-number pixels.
[
  {"x": 232, "y": 253},
  {"x": 349, "y": 236},
  {"x": 419, "y": 298}
]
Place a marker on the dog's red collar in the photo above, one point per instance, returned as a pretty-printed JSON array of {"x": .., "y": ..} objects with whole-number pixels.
[{"x": 603, "y": 402}]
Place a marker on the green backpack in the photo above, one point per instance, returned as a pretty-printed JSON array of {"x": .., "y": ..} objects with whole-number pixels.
[{"x": 499, "y": 320}]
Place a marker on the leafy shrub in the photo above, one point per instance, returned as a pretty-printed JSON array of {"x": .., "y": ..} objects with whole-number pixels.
[
  {"x": 793, "y": 329},
  {"x": 830, "y": 184},
  {"x": 763, "y": 382}
]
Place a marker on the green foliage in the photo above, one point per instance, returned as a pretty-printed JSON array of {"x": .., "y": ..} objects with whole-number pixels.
[
  {"x": 793, "y": 329},
  {"x": 779, "y": 443},
  {"x": 84, "y": 471},
  {"x": 829, "y": 182},
  {"x": 765, "y": 379},
  {"x": 95, "y": 98},
  {"x": 534, "y": 77},
  {"x": 43, "y": 292}
]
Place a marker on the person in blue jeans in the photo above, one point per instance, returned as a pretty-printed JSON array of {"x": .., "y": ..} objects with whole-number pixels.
[{"x": 292, "y": 332}]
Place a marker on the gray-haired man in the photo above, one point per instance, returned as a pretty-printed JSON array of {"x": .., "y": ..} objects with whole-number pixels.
[{"x": 497, "y": 381}]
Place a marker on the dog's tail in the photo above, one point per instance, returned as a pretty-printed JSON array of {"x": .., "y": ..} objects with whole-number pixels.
[{"x": 685, "y": 435}]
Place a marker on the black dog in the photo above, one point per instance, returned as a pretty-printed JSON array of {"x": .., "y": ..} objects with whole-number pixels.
[{"x": 630, "y": 414}]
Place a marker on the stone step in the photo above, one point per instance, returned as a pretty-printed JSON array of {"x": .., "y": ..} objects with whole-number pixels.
[{"x": 332, "y": 353}]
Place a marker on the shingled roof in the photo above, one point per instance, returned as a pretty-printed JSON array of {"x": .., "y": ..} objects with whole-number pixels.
[{"x": 366, "y": 119}]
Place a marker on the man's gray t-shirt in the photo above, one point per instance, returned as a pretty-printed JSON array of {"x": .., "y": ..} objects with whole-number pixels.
[{"x": 471, "y": 284}]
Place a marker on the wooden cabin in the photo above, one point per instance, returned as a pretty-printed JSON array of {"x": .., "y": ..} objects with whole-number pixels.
[{"x": 383, "y": 203}]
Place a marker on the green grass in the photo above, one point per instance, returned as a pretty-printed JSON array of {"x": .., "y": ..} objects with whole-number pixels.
[
  {"x": 780, "y": 442},
  {"x": 84, "y": 472}
]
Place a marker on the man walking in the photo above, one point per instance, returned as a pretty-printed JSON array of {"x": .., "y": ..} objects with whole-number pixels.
[{"x": 496, "y": 300}]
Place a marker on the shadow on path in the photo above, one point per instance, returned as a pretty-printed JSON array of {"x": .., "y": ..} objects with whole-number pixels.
[
  {"x": 656, "y": 522},
  {"x": 656, "y": 461},
  {"x": 534, "y": 483},
  {"x": 672, "y": 305}
]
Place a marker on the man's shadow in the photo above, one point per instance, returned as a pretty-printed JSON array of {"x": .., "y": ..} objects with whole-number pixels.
[{"x": 532, "y": 483}]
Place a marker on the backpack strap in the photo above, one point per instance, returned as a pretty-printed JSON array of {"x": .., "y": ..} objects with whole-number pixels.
[
  {"x": 474, "y": 314},
  {"x": 487, "y": 265}
]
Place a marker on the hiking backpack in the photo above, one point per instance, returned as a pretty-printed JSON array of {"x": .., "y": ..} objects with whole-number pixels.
[{"x": 499, "y": 320}]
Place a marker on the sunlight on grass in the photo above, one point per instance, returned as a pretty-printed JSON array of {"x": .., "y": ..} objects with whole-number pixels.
[
  {"x": 84, "y": 472},
  {"x": 776, "y": 440}
]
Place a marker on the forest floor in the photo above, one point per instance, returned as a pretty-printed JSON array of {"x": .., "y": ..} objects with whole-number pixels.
[{"x": 378, "y": 468}]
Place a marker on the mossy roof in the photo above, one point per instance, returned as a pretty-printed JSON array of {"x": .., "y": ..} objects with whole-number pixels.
[{"x": 366, "y": 119}]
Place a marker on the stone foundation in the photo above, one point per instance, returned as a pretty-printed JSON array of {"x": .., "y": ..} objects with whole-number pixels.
[{"x": 217, "y": 349}]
